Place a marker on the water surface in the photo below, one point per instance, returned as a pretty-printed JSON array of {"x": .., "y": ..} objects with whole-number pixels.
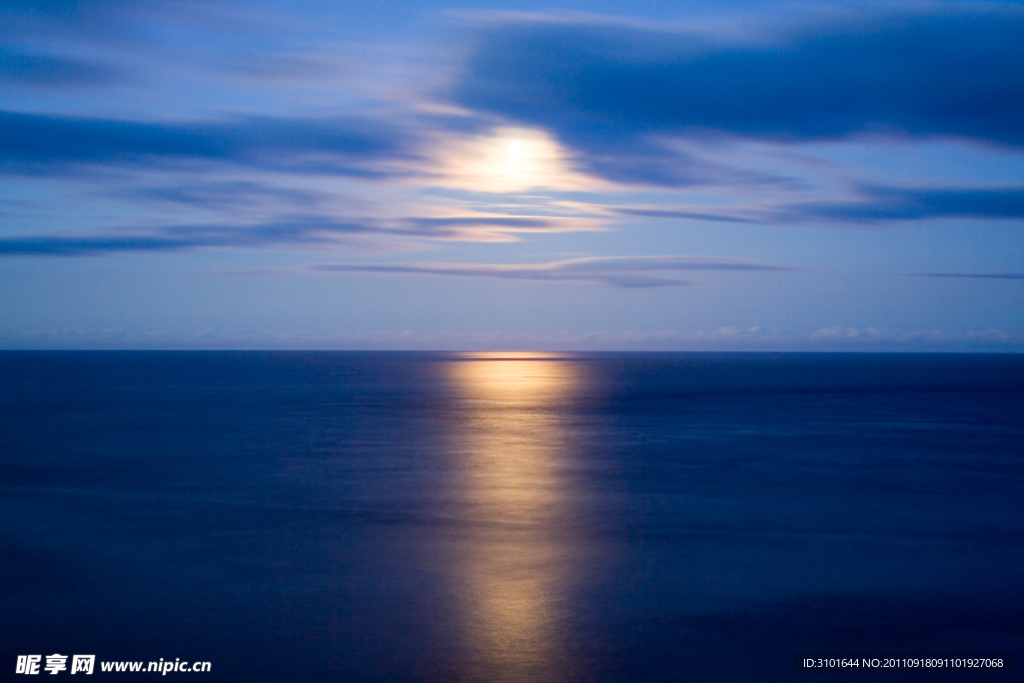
[{"x": 510, "y": 516}]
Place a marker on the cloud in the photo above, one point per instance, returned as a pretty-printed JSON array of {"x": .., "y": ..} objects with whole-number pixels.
[
  {"x": 874, "y": 204},
  {"x": 685, "y": 215},
  {"x": 139, "y": 23},
  {"x": 54, "y": 71},
  {"x": 756, "y": 338},
  {"x": 283, "y": 67},
  {"x": 340, "y": 145},
  {"x": 182, "y": 237},
  {"x": 621, "y": 271},
  {"x": 923, "y": 70},
  {"x": 305, "y": 232},
  {"x": 983, "y": 276},
  {"x": 895, "y": 203},
  {"x": 225, "y": 195},
  {"x": 488, "y": 228}
]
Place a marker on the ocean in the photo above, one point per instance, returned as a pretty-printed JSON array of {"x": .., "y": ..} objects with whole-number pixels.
[{"x": 513, "y": 517}]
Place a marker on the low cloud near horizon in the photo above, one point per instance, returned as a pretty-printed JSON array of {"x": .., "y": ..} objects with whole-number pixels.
[{"x": 623, "y": 271}]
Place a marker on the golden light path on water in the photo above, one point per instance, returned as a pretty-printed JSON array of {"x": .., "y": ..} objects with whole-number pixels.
[{"x": 514, "y": 565}]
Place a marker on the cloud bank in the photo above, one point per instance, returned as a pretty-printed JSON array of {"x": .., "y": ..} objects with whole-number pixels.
[
  {"x": 603, "y": 89},
  {"x": 757, "y": 339}
]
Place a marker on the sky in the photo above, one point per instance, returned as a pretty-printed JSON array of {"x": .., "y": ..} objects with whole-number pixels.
[{"x": 664, "y": 176}]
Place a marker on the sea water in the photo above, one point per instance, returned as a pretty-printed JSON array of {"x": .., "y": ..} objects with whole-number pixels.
[{"x": 292, "y": 516}]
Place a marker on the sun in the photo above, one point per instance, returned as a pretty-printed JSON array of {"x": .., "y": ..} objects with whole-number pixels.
[
  {"x": 514, "y": 149},
  {"x": 506, "y": 160}
]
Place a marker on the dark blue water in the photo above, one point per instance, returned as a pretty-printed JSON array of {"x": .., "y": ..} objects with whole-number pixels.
[{"x": 495, "y": 517}]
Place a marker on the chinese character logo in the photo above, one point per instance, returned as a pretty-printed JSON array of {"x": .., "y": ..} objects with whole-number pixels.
[
  {"x": 28, "y": 664},
  {"x": 82, "y": 663},
  {"x": 55, "y": 663}
]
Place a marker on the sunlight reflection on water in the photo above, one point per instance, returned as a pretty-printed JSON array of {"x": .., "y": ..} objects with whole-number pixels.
[{"x": 513, "y": 444}]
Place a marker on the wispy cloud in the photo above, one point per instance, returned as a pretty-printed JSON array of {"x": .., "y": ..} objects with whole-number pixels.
[
  {"x": 872, "y": 204},
  {"x": 896, "y": 203},
  {"x": 338, "y": 145},
  {"x": 292, "y": 232},
  {"x": 225, "y": 195},
  {"x": 683, "y": 215},
  {"x": 623, "y": 271},
  {"x": 182, "y": 237},
  {"x": 53, "y": 70},
  {"x": 981, "y": 276}
]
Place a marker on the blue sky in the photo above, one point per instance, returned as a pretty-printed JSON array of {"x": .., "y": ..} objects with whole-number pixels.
[{"x": 400, "y": 175}]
